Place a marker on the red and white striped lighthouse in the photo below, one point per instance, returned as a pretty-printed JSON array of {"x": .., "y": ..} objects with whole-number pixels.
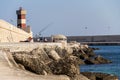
[{"x": 21, "y": 18}]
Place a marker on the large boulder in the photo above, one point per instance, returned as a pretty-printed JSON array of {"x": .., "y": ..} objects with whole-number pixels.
[
  {"x": 83, "y": 56},
  {"x": 80, "y": 53},
  {"x": 89, "y": 52},
  {"x": 102, "y": 60},
  {"x": 89, "y": 75},
  {"x": 34, "y": 61},
  {"x": 69, "y": 50},
  {"x": 97, "y": 60},
  {"x": 61, "y": 51},
  {"x": 80, "y": 77},
  {"x": 90, "y": 61},
  {"x": 66, "y": 66},
  {"x": 54, "y": 55},
  {"x": 40, "y": 53}
]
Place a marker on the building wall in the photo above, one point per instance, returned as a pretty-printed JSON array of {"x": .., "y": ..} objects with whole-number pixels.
[{"x": 10, "y": 33}]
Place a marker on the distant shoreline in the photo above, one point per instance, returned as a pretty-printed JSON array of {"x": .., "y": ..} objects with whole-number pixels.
[{"x": 102, "y": 43}]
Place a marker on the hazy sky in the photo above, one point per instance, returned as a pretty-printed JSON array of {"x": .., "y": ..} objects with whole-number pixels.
[{"x": 68, "y": 17}]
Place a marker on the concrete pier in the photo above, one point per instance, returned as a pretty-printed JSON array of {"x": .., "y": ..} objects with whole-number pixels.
[
  {"x": 101, "y": 43},
  {"x": 24, "y": 46}
]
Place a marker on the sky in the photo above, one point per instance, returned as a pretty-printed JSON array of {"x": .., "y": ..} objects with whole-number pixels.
[{"x": 67, "y": 17}]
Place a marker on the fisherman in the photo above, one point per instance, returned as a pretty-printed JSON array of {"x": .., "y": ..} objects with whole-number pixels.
[{"x": 45, "y": 40}]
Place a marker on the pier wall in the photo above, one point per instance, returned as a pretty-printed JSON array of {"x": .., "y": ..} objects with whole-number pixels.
[
  {"x": 10, "y": 33},
  {"x": 14, "y": 47},
  {"x": 99, "y": 38}
]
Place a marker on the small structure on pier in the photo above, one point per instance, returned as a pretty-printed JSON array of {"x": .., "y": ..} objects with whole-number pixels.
[{"x": 59, "y": 38}]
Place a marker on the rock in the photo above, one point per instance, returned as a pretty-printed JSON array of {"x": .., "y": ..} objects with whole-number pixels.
[
  {"x": 35, "y": 61},
  {"x": 21, "y": 66},
  {"x": 33, "y": 64},
  {"x": 89, "y": 52},
  {"x": 80, "y": 53},
  {"x": 54, "y": 55},
  {"x": 41, "y": 53},
  {"x": 91, "y": 61},
  {"x": 84, "y": 46},
  {"x": 99, "y": 76},
  {"x": 74, "y": 44},
  {"x": 69, "y": 50},
  {"x": 61, "y": 52},
  {"x": 83, "y": 56},
  {"x": 111, "y": 77},
  {"x": 97, "y": 60},
  {"x": 95, "y": 48},
  {"x": 89, "y": 57},
  {"x": 80, "y": 61},
  {"x": 102, "y": 60},
  {"x": 89, "y": 75},
  {"x": 79, "y": 77},
  {"x": 66, "y": 66}
]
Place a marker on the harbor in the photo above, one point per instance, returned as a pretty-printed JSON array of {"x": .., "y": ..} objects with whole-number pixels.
[{"x": 80, "y": 42}]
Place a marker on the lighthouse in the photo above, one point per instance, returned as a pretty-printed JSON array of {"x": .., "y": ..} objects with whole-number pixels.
[{"x": 21, "y": 18}]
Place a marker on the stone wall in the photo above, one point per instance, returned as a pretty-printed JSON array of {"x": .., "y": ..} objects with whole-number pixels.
[
  {"x": 24, "y": 46},
  {"x": 10, "y": 33}
]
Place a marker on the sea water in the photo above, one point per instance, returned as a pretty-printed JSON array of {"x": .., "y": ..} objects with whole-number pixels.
[{"x": 109, "y": 52}]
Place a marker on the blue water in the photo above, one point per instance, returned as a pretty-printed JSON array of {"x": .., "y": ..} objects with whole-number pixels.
[{"x": 109, "y": 52}]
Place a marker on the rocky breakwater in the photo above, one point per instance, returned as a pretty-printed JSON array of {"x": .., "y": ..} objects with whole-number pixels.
[
  {"x": 59, "y": 61},
  {"x": 10, "y": 70},
  {"x": 87, "y": 56},
  {"x": 49, "y": 61}
]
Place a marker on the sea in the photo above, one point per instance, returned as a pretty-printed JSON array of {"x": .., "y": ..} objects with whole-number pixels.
[{"x": 109, "y": 52}]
